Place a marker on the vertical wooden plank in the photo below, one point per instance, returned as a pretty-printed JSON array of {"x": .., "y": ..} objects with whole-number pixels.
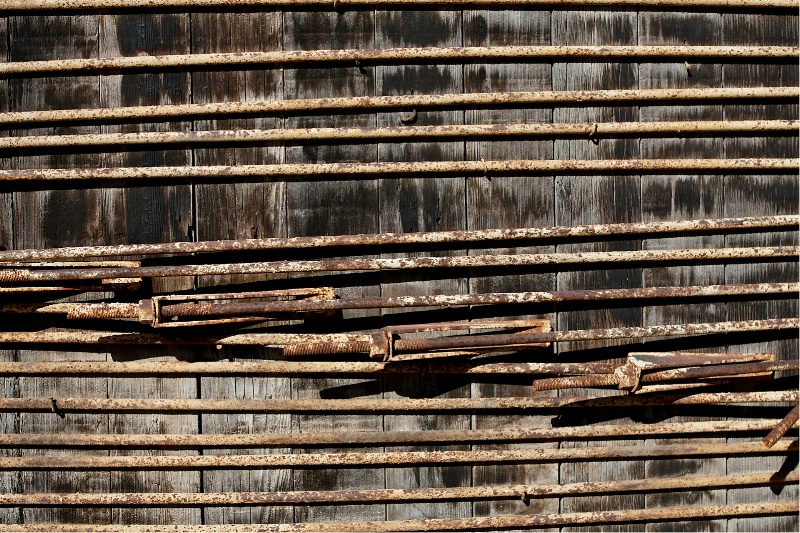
[
  {"x": 330, "y": 208},
  {"x": 6, "y": 197},
  {"x": 10, "y": 482},
  {"x": 597, "y": 199},
  {"x": 748, "y": 195},
  {"x": 510, "y": 202},
  {"x": 425, "y": 203},
  {"x": 249, "y": 209},
  {"x": 682, "y": 197},
  {"x": 58, "y": 218},
  {"x": 151, "y": 214}
]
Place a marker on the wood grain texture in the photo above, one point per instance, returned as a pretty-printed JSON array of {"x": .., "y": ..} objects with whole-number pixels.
[
  {"x": 330, "y": 208},
  {"x": 510, "y": 202},
  {"x": 250, "y": 209},
  {"x": 422, "y": 204},
  {"x": 150, "y": 214},
  {"x": 682, "y": 197},
  {"x": 598, "y": 199},
  {"x": 10, "y": 482},
  {"x": 6, "y": 197},
  {"x": 57, "y": 218},
  {"x": 751, "y": 194},
  {"x": 254, "y": 208}
]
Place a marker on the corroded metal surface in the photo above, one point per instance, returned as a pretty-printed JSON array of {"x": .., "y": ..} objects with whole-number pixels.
[
  {"x": 495, "y": 492},
  {"x": 674, "y": 374},
  {"x": 317, "y": 460},
  {"x": 354, "y": 438},
  {"x": 136, "y": 405},
  {"x": 362, "y": 342},
  {"x": 692, "y": 512},
  {"x": 383, "y": 239},
  {"x": 315, "y": 171},
  {"x": 406, "y": 133},
  {"x": 396, "y": 55},
  {"x": 263, "y": 368},
  {"x": 483, "y": 299},
  {"x": 782, "y": 427},
  {"x": 563, "y": 98},
  {"x": 664, "y": 360},
  {"x": 404, "y": 263}
]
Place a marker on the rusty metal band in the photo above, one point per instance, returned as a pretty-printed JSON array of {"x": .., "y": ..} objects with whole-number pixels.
[
  {"x": 329, "y": 105},
  {"x": 361, "y": 342},
  {"x": 605, "y": 380},
  {"x": 264, "y": 368},
  {"x": 92, "y": 310},
  {"x": 495, "y": 492},
  {"x": 356, "y": 438},
  {"x": 404, "y": 133},
  {"x": 666, "y": 96},
  {"x": 682, "y": 513},
  {"x": 312, "y": 171},
  {"x": 381, "y": 239},
  {"x": 391, "y": 405},
  {"x": 338, "y": 5},
  {"x": 664, "y": 53},
  {"x": 404, "y": 263},
  {"x": 782, "y": 427},
  {"x": 707, "y": 291},
  {"x": 360, "y": 459}
]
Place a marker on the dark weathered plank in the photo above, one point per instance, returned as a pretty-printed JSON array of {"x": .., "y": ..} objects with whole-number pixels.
[
  {"x": 682, "y": 197},
  {"x": 597, "y": 199},
  {"x": 236, "y": 211},
  {"x": 9, "y": 386},
  {"x": 509, "y": 202},
  {"x": 58, "y": 218},
  {"x": 6, "y": 197},
  {"x": 330, "y": 208},
  {"x": 150, "y": 214},
  {"x": 10, "y": 482},
  {"x": 422, "y": 204},
  {"x": 761, "y": 195}
]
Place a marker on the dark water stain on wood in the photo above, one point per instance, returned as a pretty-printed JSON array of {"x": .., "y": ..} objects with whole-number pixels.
[
  {"x": 145, "y": 34},
  {"x": 417, "y": 79},
  {"x": 321, "y": 30},
  {"x": 422, "y": 28}
]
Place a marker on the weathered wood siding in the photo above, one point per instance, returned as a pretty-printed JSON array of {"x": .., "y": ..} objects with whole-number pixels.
[{"x": 132, "y": 212}]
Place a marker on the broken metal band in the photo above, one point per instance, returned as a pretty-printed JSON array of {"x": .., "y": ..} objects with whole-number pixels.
[
  {"x": 496, "y": 492},
  {"x": 148, "y": 311},
  {"x": 401, "y": 55},
  {"x": 19, "y": 275},
  {"x": 194, "y": 309},
  {"x": 383, "y": 438},
  {"x": 605, "y": 380},
  {"x": 388, "y": 405},
  {"x": 682, "y": 513},
  {"x": 370, "y": 170},
  {"x": 310, "y": 343},
  {"x": 338, "y": 5},
  {"x": 431, "y": 237},
  {"x": 406, "y": 133},
  {"x": 267, "y": 367},
  {"x": 360, "y": 459},
  {"x": 328, "y": 105}
]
